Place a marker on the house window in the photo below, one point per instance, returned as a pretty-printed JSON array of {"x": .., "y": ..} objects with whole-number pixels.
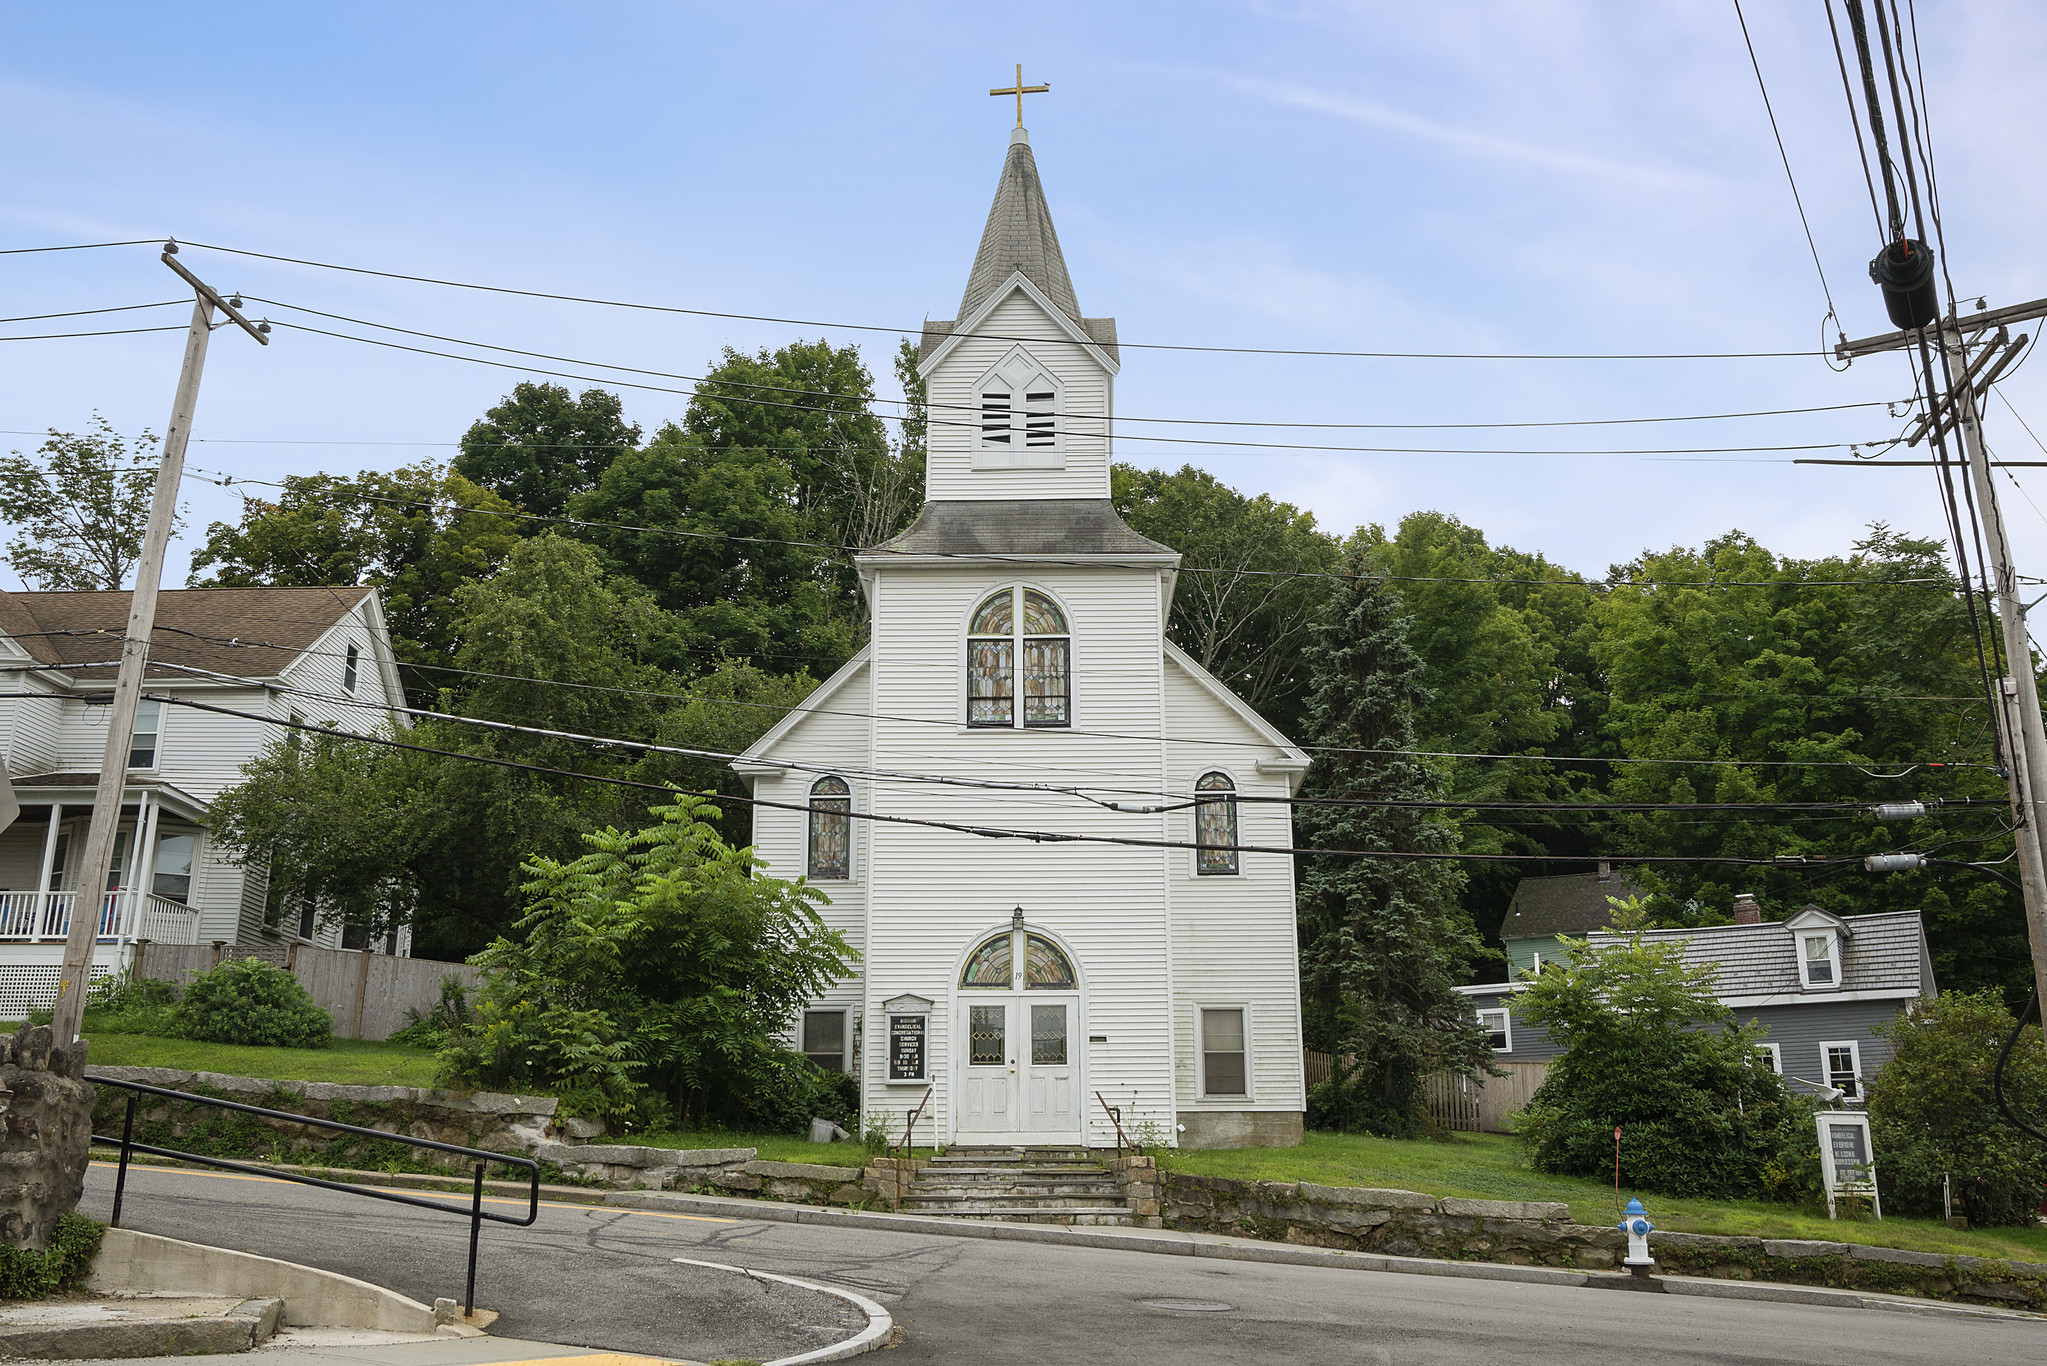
[
  {"x": 1222, "y": 1052},
  {"x": 173, "y": 878},
  {"x": 148, "y": 725},
  {"x": 348, "y": 671},
  {"x": 824, "y": 1038},
  {"x": 1819, "y": 960},
  {"x": 308, "y": 919},
  {"x": 1215, "y": 825},
  {"x": 1499, "y": 1028},
  {"x": 1018, "y": 641},
  {"x": 1843, "y": 1064},
  {"x": 1771, "y": 1056},
  {"x": 831, "y": 830},
  {"x": 1019, "y": 405}
]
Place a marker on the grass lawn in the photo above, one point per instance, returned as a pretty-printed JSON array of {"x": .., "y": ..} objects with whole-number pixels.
[
  {"x": 772, "y": 1147},
  {"x": 352, "y": 1062},
  {"x": 1490, "y": 1167}
]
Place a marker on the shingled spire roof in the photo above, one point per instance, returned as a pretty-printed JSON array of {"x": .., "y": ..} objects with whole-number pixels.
[{"x": 1019, "y": 236}]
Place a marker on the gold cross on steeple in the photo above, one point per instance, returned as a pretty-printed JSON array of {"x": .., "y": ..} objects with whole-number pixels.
[{"x": 1020, "y": 90}]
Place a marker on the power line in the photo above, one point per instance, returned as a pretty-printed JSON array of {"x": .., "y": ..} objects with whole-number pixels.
[
  {"x": 342, "y": 492},
  {"x": 117, "y": 332},
  {"x": 82, "y": 312},
  {"x": 975, "y": 412},
  {"x": 82, "y": 246},
  {"x": 917, "y": 331},
  {"x": 1034, "y": 836},
  {"x": 975, "y": 426},
  {"x": 1786, "y": 158}
]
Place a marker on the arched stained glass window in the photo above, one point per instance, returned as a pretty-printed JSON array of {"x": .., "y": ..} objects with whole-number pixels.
[
  {"x": 1215, "y": 825},
  {"x": 988, "y": 966},
  {"x": 1019, "y": 630},
  {"x": 831, "y": 830},
  {"x": 1045, "y": 967}
]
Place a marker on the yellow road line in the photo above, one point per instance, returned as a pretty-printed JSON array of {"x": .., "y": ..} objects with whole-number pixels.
[{"x": 415, "y": 1190}]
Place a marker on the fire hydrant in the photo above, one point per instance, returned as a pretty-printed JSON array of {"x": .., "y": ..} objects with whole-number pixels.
[{"x": 1635, "y": 1223}]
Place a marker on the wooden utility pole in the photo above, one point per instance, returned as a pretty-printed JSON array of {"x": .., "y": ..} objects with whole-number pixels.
[
  {"x": 89, "y": 904},
  {"x": 2018, "y": 690}
]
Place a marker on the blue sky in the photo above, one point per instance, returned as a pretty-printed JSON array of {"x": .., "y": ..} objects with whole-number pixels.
[{"x": 1541, "y": 176}]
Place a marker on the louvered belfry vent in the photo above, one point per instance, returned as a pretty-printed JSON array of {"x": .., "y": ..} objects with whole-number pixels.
[{"x": 1032, "y": 424}]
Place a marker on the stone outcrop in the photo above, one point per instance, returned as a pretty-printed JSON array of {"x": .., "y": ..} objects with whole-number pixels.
[{"x": 45, "y": 1135}]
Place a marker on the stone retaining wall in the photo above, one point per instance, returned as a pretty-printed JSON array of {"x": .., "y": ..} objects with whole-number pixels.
[
  {"x": 471, "y": 1119},
  {"x": 1538, "y": 1233}
]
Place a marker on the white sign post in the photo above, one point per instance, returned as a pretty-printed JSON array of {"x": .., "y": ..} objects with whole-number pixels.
[{"x": 1847, "y": 1158}]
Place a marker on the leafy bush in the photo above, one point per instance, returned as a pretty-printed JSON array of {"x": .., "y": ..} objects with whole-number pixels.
[
  {"x": 1649, "y": 1050},
  {"x": 1932, "y": 1114},
  {"x": 249, "y": 1001},
  {"x": 126, "y": 1005},
  {"x": 654, "y": 975},
  {"x": 433, "y": 1027},
  {"x": 31, "y": 1275}
]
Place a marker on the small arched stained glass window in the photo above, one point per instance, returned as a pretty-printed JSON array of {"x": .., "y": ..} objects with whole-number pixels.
[
  {"x": 831, "y": 830},
  {"x": 1045, "y": 967},
  {"x": 1215, "y": 825},
  {"x": 989, "y": 965}
]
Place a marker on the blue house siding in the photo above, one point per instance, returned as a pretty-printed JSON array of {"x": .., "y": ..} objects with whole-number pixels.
[{"x": 1799, "y": 1030}]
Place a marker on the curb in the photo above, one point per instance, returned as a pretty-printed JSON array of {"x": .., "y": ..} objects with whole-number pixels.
[
  {"x": 881, "y": 1325},
  {"x": 243, "y": 1328},
  {"x": 1223, "y": 1248},
  {"x": 149, "y": 1262}
]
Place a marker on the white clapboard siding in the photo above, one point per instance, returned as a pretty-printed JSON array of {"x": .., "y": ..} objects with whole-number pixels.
[
  {"x": 1234, "y": 936},
  {"x": 943, "y": 890},
  {"x": 955, "y": 410}
]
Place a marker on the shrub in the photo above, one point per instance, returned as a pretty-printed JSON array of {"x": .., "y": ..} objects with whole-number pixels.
[
  {"x": 1932, "y": 1115},
  {"x": 249, "y": 1001},
  {"x": 1649, "y": 1050},
  {"x": 28, "y": 1275},
  {"x": 651, "y": 980},
  {"x": 433, "y": 1027},
  {"x": 126, "y": 1005}
]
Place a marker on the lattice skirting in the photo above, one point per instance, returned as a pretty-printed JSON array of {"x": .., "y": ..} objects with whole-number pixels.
[{"x": 33, "y": 986}]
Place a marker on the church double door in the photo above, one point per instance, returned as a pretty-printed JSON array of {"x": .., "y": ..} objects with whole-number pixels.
[
  {"x": 1020, "y": 1078},
  {"x": 1018, "y": 1041}
]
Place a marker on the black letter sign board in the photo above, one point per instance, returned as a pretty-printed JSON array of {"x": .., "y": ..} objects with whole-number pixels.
[{"x": 906, "y": 1047}]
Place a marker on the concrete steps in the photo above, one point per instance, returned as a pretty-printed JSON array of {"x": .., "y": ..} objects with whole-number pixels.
[{"x": 1019, "y": 1185}]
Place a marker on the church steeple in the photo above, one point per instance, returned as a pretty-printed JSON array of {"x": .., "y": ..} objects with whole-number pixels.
[{"x": 1019, "y": 237}]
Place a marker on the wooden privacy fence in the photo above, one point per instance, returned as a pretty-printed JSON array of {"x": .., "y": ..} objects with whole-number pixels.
[
  {"x": 368, "y": 994},
  {"x": 1482, "y": 1104},
  {"x": 1452, "y": 1101}
]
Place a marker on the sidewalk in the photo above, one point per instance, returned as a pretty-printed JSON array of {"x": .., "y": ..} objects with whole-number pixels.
[{"x": 347, "y": 1347}]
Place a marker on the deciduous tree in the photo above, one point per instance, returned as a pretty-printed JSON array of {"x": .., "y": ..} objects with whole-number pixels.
[{"x": 79, "y": 506}]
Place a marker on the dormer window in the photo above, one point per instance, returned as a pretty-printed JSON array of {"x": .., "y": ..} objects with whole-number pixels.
[
  {"x": 1011, "y": 625},
  {"x": 1019, "y": 405},
  {"x": 1819, "y": 959}
]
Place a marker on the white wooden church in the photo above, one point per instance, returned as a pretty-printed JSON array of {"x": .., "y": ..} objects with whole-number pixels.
[{"x": 1018, "y": 640}]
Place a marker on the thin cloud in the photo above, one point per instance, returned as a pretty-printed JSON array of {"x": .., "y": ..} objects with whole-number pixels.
[{"x": 1373, "y": 115}]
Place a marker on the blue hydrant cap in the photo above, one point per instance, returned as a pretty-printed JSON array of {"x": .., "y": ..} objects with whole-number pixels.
[{"x": 1635, "y": 1207}]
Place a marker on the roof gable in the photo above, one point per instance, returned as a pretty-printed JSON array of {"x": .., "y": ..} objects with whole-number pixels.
[
  {"x": 1574, "y": 904},
  {"x": 752, "y": 760},
  {"x": 949, "y": 335},
  {"x": 1293, "y": 760},
  {"x": 247, "y": 632}
]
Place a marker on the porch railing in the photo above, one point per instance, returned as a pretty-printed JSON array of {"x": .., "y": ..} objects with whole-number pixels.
[{"x": 125, "y": 916}]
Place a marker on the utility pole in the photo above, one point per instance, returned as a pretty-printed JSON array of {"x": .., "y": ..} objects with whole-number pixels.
[
  {"x": 89, "y": 903},
  {"x": 2019, "y": 694}
]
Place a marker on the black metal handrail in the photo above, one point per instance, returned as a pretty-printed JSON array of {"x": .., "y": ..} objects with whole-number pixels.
[{"x": 477, "y": 1214}]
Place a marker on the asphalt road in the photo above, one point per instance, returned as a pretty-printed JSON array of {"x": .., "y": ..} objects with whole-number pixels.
[{"x": 600, "y": 1277}]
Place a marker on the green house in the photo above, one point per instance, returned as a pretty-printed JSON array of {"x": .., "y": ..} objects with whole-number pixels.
[{"x": 1545, "y": 907}]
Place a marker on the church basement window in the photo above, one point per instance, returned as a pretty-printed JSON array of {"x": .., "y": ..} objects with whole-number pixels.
[
  {"x": 831, "y": 830},
  {"x": 1018, "y": 641},
  {"x": 1215, "y": 825}
]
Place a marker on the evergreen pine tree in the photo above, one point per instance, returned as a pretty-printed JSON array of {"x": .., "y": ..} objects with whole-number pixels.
[{"x": 1383, "y": 940}]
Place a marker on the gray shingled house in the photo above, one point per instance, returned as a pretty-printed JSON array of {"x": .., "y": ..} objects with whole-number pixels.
[
  {"x": 1545, "y": 907},
  {"x": 1817, "y": 982}
]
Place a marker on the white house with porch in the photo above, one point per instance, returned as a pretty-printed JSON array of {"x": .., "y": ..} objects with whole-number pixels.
[
  {"x": 319, "y": 655},
  {"x": 1018, "y": 679}
]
